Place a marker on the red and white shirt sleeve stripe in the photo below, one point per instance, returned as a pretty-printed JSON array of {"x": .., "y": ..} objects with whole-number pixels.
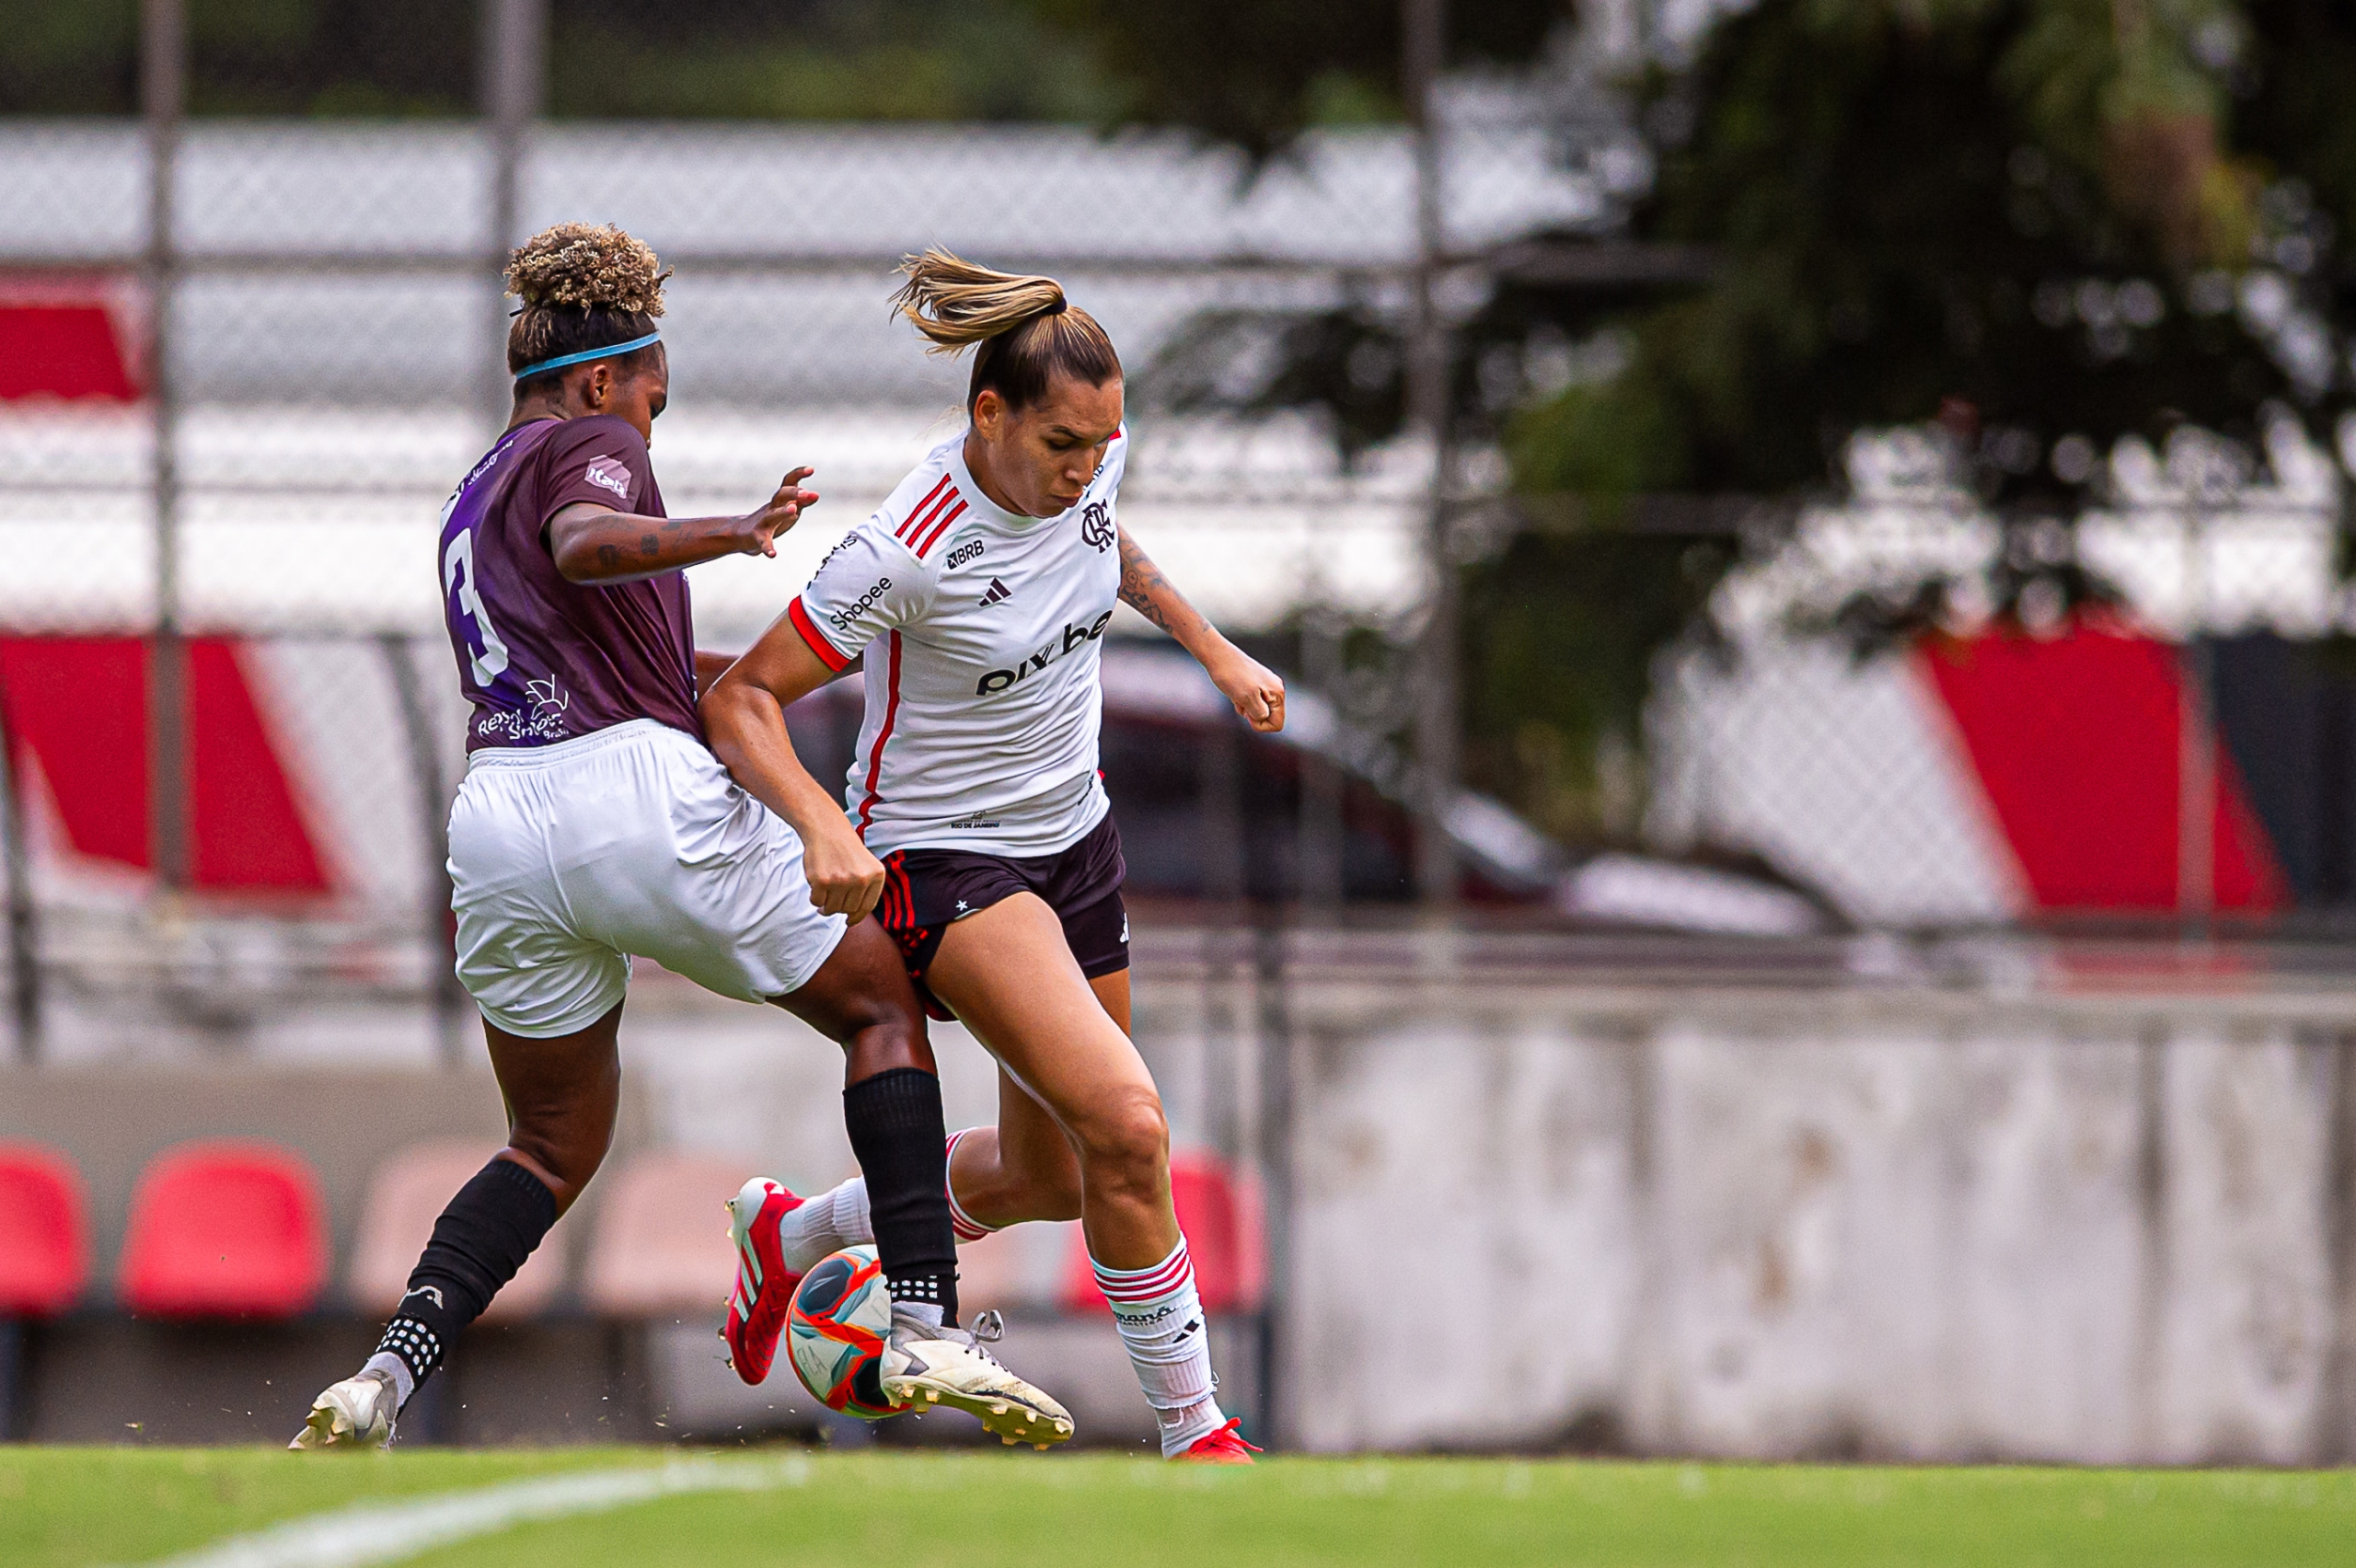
[{"x": 867, "y": 586}]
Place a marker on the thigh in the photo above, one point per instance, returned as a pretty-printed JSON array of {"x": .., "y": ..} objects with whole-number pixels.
[
  {"x": 562, "y": 1093},
  {"x": 1029, "y": 1139},
  {"x": 1112, "y": 995},
  {"x": 530, "y": 971},
  {"x": 703, "y": 879},
  {"x": 1014, "y": 983},
  {"x": 861, "y": 998}
]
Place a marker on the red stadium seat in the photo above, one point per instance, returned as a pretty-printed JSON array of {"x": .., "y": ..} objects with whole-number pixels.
[
  {"x": 661, "y": 1248},
  {"x": 225, "y": 1231},
  {"x": 406, "y": 1195},
  {"x": 44, "y": 1232},
  {"x": 1220, "y": 1216}
]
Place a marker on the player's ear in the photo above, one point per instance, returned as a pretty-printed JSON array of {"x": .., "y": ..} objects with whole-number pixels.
[
  {"x": 597, "y": 386},
  {"x": 990, "y": 413}
]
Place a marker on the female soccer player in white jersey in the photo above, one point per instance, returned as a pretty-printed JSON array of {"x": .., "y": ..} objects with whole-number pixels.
[
  {"x": 977, "y": 826},
  {"x": 594, "y": 825}
]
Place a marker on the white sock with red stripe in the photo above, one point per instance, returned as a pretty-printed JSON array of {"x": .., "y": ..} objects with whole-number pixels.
[
  {"x": 969, "y": 1228},
  {"x": 838, "y": 1217},
  {"x": 1161, "y": 1322}
]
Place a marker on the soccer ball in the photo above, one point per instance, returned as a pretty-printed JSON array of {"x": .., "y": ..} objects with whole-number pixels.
[{"x": 835, "y": 1329}]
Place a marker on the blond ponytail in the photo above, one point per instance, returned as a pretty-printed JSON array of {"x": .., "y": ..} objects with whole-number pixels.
[
  {"x": 1025, "y": 332},
  {"x": 958, "y": 304}
]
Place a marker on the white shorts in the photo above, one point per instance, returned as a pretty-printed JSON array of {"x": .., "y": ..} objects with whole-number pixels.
[{"x": 565, "y": 859}]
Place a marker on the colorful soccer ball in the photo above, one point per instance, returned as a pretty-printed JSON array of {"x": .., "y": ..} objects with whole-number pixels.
[{"x": 835, "y": 1329}]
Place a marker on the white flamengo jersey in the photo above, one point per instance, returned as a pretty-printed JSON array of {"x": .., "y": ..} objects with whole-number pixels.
[{"x": 982, "y": 631}]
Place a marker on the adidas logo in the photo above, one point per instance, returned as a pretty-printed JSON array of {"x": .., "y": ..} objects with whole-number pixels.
[{"x": 998, "y": 590}]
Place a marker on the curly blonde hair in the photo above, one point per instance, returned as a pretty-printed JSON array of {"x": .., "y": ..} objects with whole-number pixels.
[
  {"x": 588, "y": 266},
  {"x": 584, "y": 286}
]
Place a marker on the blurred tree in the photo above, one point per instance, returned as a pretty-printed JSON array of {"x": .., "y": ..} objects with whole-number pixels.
[
  {"x": 1255, "y": 72},
  {"x": 2040, "y": 225},
  {"x": 332, "y": 57},
  {"x": 691, "y": 59},
  {"x": 850, "y": 60},
  {"x": 69, "y": 59},
  {"x": 2009, "y": 217},
  {"x": 2036, "y": 225}
]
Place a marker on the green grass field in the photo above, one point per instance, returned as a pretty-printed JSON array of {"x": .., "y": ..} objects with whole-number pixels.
[{"x": 61, "y": 1507}]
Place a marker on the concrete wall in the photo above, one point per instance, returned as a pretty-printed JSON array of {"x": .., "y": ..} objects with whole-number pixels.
[
  {"x": 1832, "y": 1221},
  {"x": 1541, "y": 1202}
]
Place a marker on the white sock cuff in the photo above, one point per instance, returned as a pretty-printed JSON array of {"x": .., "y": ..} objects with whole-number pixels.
[
  {"x": 1181, "y": 1429},
  {"x": 836, "y": 1219},
  {"x": 1129, "y": 1287},
  {"x": 966, "y": 1227},
  {"x": 404, "y": 1383},
  {"x": 854, "y": 1222}
]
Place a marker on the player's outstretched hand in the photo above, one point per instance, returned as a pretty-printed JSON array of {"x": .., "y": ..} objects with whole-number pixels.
[
  {"x": 1257, "y": 691},
  {"x": 844, "y": 878},
  {"x": 779, "y": 513}
]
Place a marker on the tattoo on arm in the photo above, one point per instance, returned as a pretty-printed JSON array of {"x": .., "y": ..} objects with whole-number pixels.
[
  {"x": 1140, "y": 581},
  {"x": 650, "y": 545},
  {"x": 609, "y": 558}
]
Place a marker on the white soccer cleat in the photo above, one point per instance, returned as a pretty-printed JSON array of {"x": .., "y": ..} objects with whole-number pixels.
[
  {"x": 925, "y": 1365},
  {"x": 355, "y": 1413}
]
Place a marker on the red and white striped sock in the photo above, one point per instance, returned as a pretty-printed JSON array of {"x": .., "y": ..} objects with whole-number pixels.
[
  {"x": 969, "y": 1228},
  {"x": 1161, "y": 1322},
  {"x": 838, "y": 1217}
]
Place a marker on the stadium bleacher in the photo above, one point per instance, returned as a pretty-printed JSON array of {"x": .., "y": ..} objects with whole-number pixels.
[{"x": 245, "y": 1231}]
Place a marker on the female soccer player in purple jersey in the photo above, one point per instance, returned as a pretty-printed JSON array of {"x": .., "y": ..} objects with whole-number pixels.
[
  {"x": 979, "y": 594},
  {"x": 594, "y": 825}
]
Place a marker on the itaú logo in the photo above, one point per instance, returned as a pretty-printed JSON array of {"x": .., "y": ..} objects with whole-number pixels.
[{"x": 1074, "y": 636}]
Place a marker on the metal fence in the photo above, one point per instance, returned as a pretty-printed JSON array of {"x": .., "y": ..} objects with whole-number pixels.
[
  {"x": 265, "y": 350},
  {"x": 253, "y": 358}
]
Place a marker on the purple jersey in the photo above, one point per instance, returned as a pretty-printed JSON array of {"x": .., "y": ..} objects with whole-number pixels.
[{"x": 541, "y": 659}]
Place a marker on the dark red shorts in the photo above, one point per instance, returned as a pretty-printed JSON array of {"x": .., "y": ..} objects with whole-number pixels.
[{"x": 926, "y": 890}]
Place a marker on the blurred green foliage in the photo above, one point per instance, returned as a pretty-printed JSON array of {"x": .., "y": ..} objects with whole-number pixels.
[
  {"x": 1559, "y": 635},
  {"x": 2040, "y": 225},
  {"x": 1250, "y": 72},
  {"x": 688, "y": 58},
  {"x": 1256, "y": 73}
]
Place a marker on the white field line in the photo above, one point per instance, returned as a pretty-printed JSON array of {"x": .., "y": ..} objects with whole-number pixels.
[{"x": 388, "y": 1532}]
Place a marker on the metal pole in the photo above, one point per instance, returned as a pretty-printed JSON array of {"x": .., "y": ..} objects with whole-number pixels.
[
  {"x": 1320, "y": 855},
  {"x": 1225, "y": 888},
  {"x": 2197, "y": 749},
  {"x": 163, "y": 79},
  {"x": 513, "y": 90},
  {"x": 1423, "y": 25},
  {"x": 450, "y": 998},
  {"x": 1279, "y": 1183},
  {"x": 24, "y": 934}
]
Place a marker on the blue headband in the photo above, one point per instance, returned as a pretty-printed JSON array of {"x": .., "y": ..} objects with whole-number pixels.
[{"x": 585, "y": 355}]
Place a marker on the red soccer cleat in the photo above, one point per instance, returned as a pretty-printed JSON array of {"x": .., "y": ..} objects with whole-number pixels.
[
  {"x": 764, "y": 1285},
  {"x": 1224, "y": 1447}
]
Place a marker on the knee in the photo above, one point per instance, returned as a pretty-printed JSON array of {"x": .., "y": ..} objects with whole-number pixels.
[
  {"x": 564, "y": 1156},
  {"x": 1127, "y": 1144},
  {"x": 886, "y": 1041}
]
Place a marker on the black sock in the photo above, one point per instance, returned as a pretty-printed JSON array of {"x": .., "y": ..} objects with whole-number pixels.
[
  {"x": 478, "y": 1243},
  {"x": 896, "y": 1131}
]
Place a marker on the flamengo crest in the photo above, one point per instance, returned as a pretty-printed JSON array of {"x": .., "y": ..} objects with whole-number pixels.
[{"x": 1096, "y": 525}]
